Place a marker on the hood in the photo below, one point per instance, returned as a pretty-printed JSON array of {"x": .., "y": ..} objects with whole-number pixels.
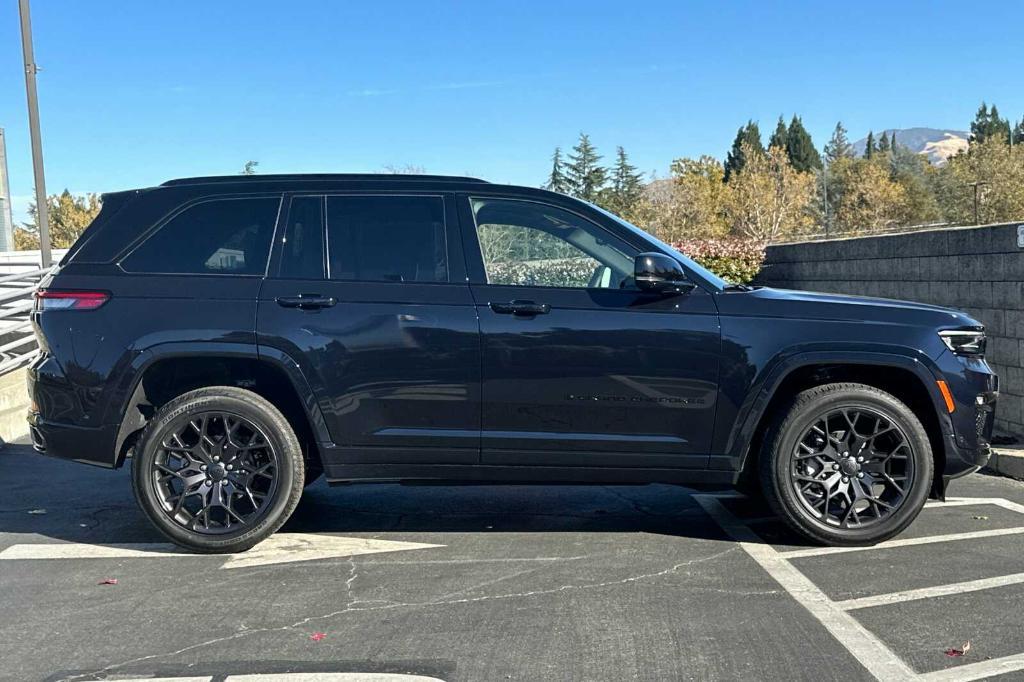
[{"x": 814, "y": 305}]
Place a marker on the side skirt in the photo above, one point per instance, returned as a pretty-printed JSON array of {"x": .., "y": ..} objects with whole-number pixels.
[{"x": 341, "y": 474}]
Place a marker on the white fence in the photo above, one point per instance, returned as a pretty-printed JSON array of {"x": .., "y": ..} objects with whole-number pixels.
[{"x": 20, "y": 273}]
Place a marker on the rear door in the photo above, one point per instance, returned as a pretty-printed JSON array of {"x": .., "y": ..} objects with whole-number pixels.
[
  {"x": 367, "y": 294},
  {"x": 581, "y": 368}
]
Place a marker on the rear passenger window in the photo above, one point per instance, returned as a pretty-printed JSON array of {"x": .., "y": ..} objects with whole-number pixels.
[
  {"x": 222, "y": 236},
  {"x": 302, "y": 247},
  {"x": 386, "y": 239}
]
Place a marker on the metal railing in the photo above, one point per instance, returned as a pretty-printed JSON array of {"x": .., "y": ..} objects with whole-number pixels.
[{"x": 18, "y": 345}]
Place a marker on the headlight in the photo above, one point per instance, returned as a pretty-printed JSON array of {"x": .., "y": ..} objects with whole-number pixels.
[{"x": 969, "y": 342}]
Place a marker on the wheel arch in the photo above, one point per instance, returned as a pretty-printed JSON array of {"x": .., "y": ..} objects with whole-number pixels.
[
  {"x": 163, "y": 372},
  {"x": 911, "y": 379}
]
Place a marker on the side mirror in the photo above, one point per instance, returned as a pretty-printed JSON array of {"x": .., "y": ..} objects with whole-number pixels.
[{"x": 657, "y": 272}]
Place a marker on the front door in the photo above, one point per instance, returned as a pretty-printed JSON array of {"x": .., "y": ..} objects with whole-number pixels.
[
  {"x": 581, "y": 368},
  {"x": 376, "y": 312}
]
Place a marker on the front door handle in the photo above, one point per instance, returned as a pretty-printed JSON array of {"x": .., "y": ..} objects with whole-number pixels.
[
  {"x": 523, "y": 308},
  {"x": 306, "y": 301}
]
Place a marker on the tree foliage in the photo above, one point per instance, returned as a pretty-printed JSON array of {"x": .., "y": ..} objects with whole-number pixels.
[
  {"x": 780, "y": 136},
  {"x": 863, "y": 195},
  {"x": 747, "y": 142},
  {"x": 838, "y": 146},
  {"x": 1000, "y": 169},
  {"x": 69, "y": 215},
  {"x": 800, "y": 148},
  {"x": 988, "y": 124},
  {"x": 769, "y": 198},
  {"x": 557, "y": 180},
  {"x": 585, "y": 175},
  {"x": 623, "y": 195}
]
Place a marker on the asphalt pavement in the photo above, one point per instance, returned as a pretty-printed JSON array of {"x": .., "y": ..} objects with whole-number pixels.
[{"x": 452, "y": 583}]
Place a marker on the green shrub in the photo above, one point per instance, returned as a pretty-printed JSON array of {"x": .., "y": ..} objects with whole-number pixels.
[{"x": 737, "y": 260}]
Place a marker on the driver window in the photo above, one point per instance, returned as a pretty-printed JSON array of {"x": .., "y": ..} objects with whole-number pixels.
[{"x": 524, "y": 243}]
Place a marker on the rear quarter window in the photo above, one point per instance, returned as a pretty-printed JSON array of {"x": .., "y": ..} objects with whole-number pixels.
[{"x": 212, "y": 237}]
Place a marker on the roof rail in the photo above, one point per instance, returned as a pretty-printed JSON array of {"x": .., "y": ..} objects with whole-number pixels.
[{"x": 326, "y": 177}]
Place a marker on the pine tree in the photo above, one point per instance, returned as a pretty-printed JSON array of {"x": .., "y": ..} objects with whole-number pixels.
[
  {"x": 586, "y": 178},
  {"x": 1018, "y": 133},
  {"x": 780, "y": 135},
  {"x": 557, "y": 182},
  {"x": 838, "y": 146},
  {"x": 883, "y": 143},
  {"x": 988, "y": 124},
  {"x": 627, "y": 186},
  {"x": 800, "y": 148},
  {"x": 869, "y": 146},
  {"x": 737, "y": 158}
]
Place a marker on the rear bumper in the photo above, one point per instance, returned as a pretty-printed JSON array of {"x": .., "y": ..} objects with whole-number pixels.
[{"x": 76, "y": 443}]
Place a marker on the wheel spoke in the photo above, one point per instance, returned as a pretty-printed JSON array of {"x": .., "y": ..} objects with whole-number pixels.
[
  {"x": 867, "y": 462},
  {"x": 201, "y": 493}
]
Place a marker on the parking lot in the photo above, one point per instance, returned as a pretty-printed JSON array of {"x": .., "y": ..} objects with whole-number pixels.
[{"x": 502, "y": 583}]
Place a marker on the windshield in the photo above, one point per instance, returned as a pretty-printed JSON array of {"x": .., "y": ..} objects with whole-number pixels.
[{"x": 693, "y": 265}]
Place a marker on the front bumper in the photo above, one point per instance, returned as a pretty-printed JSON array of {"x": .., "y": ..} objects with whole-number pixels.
[{"x": 83, "y": 444}]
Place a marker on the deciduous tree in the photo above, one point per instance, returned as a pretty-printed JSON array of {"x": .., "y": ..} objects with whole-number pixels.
[
  {"x": 769, "y": 198},
  {"x": 69, "y": 215}
]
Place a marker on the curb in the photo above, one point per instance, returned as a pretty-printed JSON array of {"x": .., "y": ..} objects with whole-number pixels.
[{"x": 1008, "y": 461}]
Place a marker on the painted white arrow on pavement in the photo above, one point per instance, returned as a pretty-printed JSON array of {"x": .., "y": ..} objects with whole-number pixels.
[{"x": 282, "y": 548}]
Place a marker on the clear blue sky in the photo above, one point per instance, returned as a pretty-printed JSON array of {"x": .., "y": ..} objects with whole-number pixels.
[{"x": 133, "y": 93}]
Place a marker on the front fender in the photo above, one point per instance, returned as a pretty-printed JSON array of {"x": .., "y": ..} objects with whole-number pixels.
[{"x": 783, "y": 364}]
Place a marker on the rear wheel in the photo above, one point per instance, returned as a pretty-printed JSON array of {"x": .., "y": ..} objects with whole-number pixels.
[
  {"x": 847, "y": 464},
  {"x": 218, "y": 469}
]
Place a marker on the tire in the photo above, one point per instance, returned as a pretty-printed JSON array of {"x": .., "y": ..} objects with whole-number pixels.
[
  {"x": 810, "y": 471},
  {"x": 172, "y": 457}
]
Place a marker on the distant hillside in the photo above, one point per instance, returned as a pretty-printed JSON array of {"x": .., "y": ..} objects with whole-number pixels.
[{"x": 937, "y": 144}]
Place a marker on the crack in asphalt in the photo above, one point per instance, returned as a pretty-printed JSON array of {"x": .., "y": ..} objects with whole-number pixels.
[{"x": 352, "y": 608}]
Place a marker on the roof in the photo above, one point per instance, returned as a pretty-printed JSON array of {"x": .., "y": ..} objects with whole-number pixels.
[{"x": 323, "y": 177}]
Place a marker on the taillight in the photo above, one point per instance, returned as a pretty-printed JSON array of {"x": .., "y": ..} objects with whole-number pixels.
[{"x": 70, "y": 300}]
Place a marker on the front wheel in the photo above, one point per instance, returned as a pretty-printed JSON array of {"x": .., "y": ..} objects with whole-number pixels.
[
  {"x": 847, "y": 464},
  {"x": 218, "y": 469}
]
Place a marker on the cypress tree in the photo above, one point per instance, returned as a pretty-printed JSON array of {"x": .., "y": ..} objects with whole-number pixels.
[
  {"x": 736, "y": 159},
  {"x": 557, "y": 181},
  {"x": 800, "y": 148},
  {"x": 883, "y": 143},
  {"x": 586, "y": 177},
  {"x": 838, "y": 146},
  {"x": 780, "y": 135},
  {"x": 987, "y": 123},
  {"x": 869, "y": 146}
]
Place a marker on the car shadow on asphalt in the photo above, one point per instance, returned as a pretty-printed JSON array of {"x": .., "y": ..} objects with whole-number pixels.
[{"x": 65, "y": 501}]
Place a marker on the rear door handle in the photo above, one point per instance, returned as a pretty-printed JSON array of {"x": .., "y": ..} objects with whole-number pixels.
[
  {"x": 306, "y": 301},
  {"x": 523, "y": 308}
]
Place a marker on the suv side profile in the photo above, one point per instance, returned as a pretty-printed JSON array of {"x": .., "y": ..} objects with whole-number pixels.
[{"x": 238, "y": 337}]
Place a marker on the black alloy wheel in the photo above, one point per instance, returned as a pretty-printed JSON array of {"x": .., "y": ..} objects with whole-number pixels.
[
  {"x": 846, "y": 464},
  {"x": 218, "y": 469}
]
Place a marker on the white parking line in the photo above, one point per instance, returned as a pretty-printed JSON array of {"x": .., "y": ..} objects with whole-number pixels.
[
  {"x": 908, "y": 542},
  {"x": 977, "y": 671},
  {"x": 280, "y": 548},
  {"x": 872, "y": 653},
  {"x": 300, "y": 677},
  {"x": 928, "y": 592}
]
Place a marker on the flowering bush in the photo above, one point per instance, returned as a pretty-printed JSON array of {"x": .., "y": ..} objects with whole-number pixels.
[{"x": 737, "y": 260}]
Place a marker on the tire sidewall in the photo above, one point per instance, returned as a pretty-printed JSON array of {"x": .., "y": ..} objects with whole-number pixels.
[
  {"x": 277, "y": 431},
  {"x": 802, "y": 416}
]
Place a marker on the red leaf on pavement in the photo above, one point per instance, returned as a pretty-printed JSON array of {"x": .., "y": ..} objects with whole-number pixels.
[
  {"x": 317, "y": 636},
  {"x": 959, "y": 652},
  {"x": 108, "y": 581}
]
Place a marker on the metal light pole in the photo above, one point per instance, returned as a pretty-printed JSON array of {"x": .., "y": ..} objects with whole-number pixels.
[
  {"x": 977, "y": 187},
  {"x": 42, "y": 214}
]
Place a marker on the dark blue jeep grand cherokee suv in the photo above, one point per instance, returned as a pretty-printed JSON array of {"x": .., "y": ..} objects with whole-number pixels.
[{"x": 237, "y": 337}]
